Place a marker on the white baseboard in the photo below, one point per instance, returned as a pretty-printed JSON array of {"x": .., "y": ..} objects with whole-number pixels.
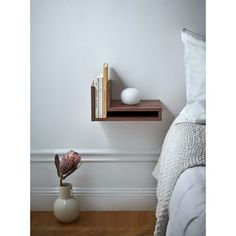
[
  {"x": 125, "y": 176},
  {"x": 98, "y": 199}
]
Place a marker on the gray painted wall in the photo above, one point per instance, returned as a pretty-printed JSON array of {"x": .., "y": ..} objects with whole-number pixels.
[{"x": 71, "y": 39}]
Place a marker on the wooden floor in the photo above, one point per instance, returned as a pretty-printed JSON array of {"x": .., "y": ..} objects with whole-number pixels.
[{"x": 99, "y": 223}]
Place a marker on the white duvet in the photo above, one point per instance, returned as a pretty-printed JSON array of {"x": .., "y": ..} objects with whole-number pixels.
[{"x": 187, "y": 204}]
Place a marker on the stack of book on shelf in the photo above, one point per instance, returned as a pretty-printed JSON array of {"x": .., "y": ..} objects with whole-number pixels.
[{"x": 100, "y": 84}]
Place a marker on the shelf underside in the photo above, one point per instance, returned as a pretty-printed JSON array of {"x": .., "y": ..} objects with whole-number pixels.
[{"x": 137, "y": 118}]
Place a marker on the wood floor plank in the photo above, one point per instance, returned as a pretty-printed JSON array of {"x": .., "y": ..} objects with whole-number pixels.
[{"x": 95, "y": 223}]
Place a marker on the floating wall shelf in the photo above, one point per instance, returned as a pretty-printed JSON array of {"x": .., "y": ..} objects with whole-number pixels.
[{"x": 145, "y": 110}]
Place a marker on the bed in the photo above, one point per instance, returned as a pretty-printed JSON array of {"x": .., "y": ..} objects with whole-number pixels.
[
  {"x": 187, "y": 214},
  {"x": 180, "y": 171}
]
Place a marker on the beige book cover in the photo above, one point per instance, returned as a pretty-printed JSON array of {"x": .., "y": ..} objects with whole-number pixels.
[
  {"x": 105, "y": 81},
  {"x": 95, "y": 84}
]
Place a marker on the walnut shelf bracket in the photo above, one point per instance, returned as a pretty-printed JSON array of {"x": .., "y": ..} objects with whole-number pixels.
[{"x": 145, "y": 110}]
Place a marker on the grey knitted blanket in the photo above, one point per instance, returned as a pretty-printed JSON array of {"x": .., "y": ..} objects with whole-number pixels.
[{"x": 184, "y": 147}]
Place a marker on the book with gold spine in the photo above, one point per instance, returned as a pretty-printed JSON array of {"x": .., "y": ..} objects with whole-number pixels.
[{"x": 105, "y": 81}]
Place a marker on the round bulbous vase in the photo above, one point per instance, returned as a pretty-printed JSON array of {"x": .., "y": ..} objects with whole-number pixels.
[{"x": 66, "y": 207}]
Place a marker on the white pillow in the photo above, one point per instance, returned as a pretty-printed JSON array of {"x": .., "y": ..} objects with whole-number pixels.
[{"x": 195, "y": 70}]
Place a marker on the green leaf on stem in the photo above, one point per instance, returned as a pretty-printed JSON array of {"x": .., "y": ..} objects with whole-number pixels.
[{"x": 57, "y": 163}]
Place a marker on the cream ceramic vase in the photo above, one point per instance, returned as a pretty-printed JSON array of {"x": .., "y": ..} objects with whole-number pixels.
[{"x": 66, "y": 207}]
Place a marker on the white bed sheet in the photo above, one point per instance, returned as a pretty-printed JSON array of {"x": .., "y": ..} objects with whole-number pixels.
[{"x": 187, "y": 204}]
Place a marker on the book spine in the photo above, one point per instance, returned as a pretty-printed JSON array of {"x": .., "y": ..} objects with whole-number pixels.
[
  {"x": 96, "y": 97},
  {"x": 105, "y": 81},
  {"x": 104, "y": 113},
  {"x": 100, "y": 95}
]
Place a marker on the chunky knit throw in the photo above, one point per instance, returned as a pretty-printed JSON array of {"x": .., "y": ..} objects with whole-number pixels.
[{"x": 184, "y": 147}]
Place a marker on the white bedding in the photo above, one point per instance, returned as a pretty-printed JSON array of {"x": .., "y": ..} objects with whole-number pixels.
[
  {"x": 183, "y": 148},
  {"x": 187, "y": 204}
]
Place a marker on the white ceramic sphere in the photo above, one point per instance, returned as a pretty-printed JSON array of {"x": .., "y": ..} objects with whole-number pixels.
[{"x": 130, "y": 96}]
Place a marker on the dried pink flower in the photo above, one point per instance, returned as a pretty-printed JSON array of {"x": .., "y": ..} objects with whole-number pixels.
[
  {"x": 68, "y": 164},
  {"x": 69, "y": 161}
]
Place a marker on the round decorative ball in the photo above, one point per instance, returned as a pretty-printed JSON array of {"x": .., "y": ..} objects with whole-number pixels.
[{"x": 130, "y": 96}]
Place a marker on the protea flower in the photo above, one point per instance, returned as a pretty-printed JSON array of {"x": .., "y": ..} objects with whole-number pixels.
[{"x": 68, "y": 164}]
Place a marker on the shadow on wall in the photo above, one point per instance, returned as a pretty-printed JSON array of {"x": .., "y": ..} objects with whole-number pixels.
[
  {"x": 117, "y": 83},
  {"x": 137, "y": 135}
]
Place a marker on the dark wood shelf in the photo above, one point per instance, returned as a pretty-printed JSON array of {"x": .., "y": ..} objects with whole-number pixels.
[{"x": 145, "y": 110}]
